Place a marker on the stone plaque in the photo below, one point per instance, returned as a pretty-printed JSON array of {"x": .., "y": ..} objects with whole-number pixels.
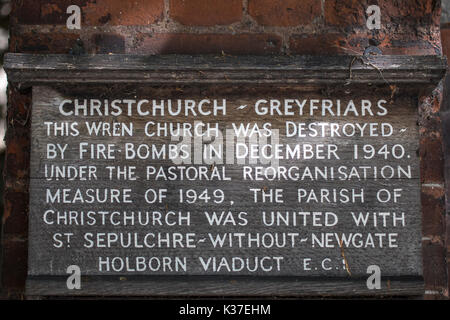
[
  {"x": 226, "y": 181},
  {"x": 269, "y": 183}
]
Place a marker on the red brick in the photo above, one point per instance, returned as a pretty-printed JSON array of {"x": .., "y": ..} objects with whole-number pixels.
[
  {"x": 16, "y": 163},
  {"x": 407, "y": 46},
  {"x": 206, "y": 12},
  {"x": 15, "y": 215},
  {"x": 421, "y": 11},
  {"x": 332, "y": 43},
  {"x": 311, "y": 44},
  {"x": 433, "y": 210},
  {"x": 43, "y": 42},
  {"x": 432, "y": 160},
  {"x": 206, "y": 44},
  {"x": 448, "y": 251},
  {"x": 429, "y": 107},
  {"x": 344, "y": 12},
  {"x": 14, "y": 264},
  {"x": 123, "y": 12},
  {"x": 344, "y": 43},
  {"x": 445, "y": 38},
  {"x": 109, "y": 43},
  {"x": 21, "y": 102},
  {"x": 284, "y": 13},
  {"x": 17, "y": 140},
  {"x": 55, "y": 12},
  {"x": 44, "y": 11},
  {"x": 25, "y": 12},
  {"x": 93, "y": 12},
  {"x": 434, "y": 266}
]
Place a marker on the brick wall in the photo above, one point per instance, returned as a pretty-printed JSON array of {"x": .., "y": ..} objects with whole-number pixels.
[
  {"x": 223, "y": 27},
  {"x": 232, "y": 26},
  {"x": 445, "y": 115}
]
